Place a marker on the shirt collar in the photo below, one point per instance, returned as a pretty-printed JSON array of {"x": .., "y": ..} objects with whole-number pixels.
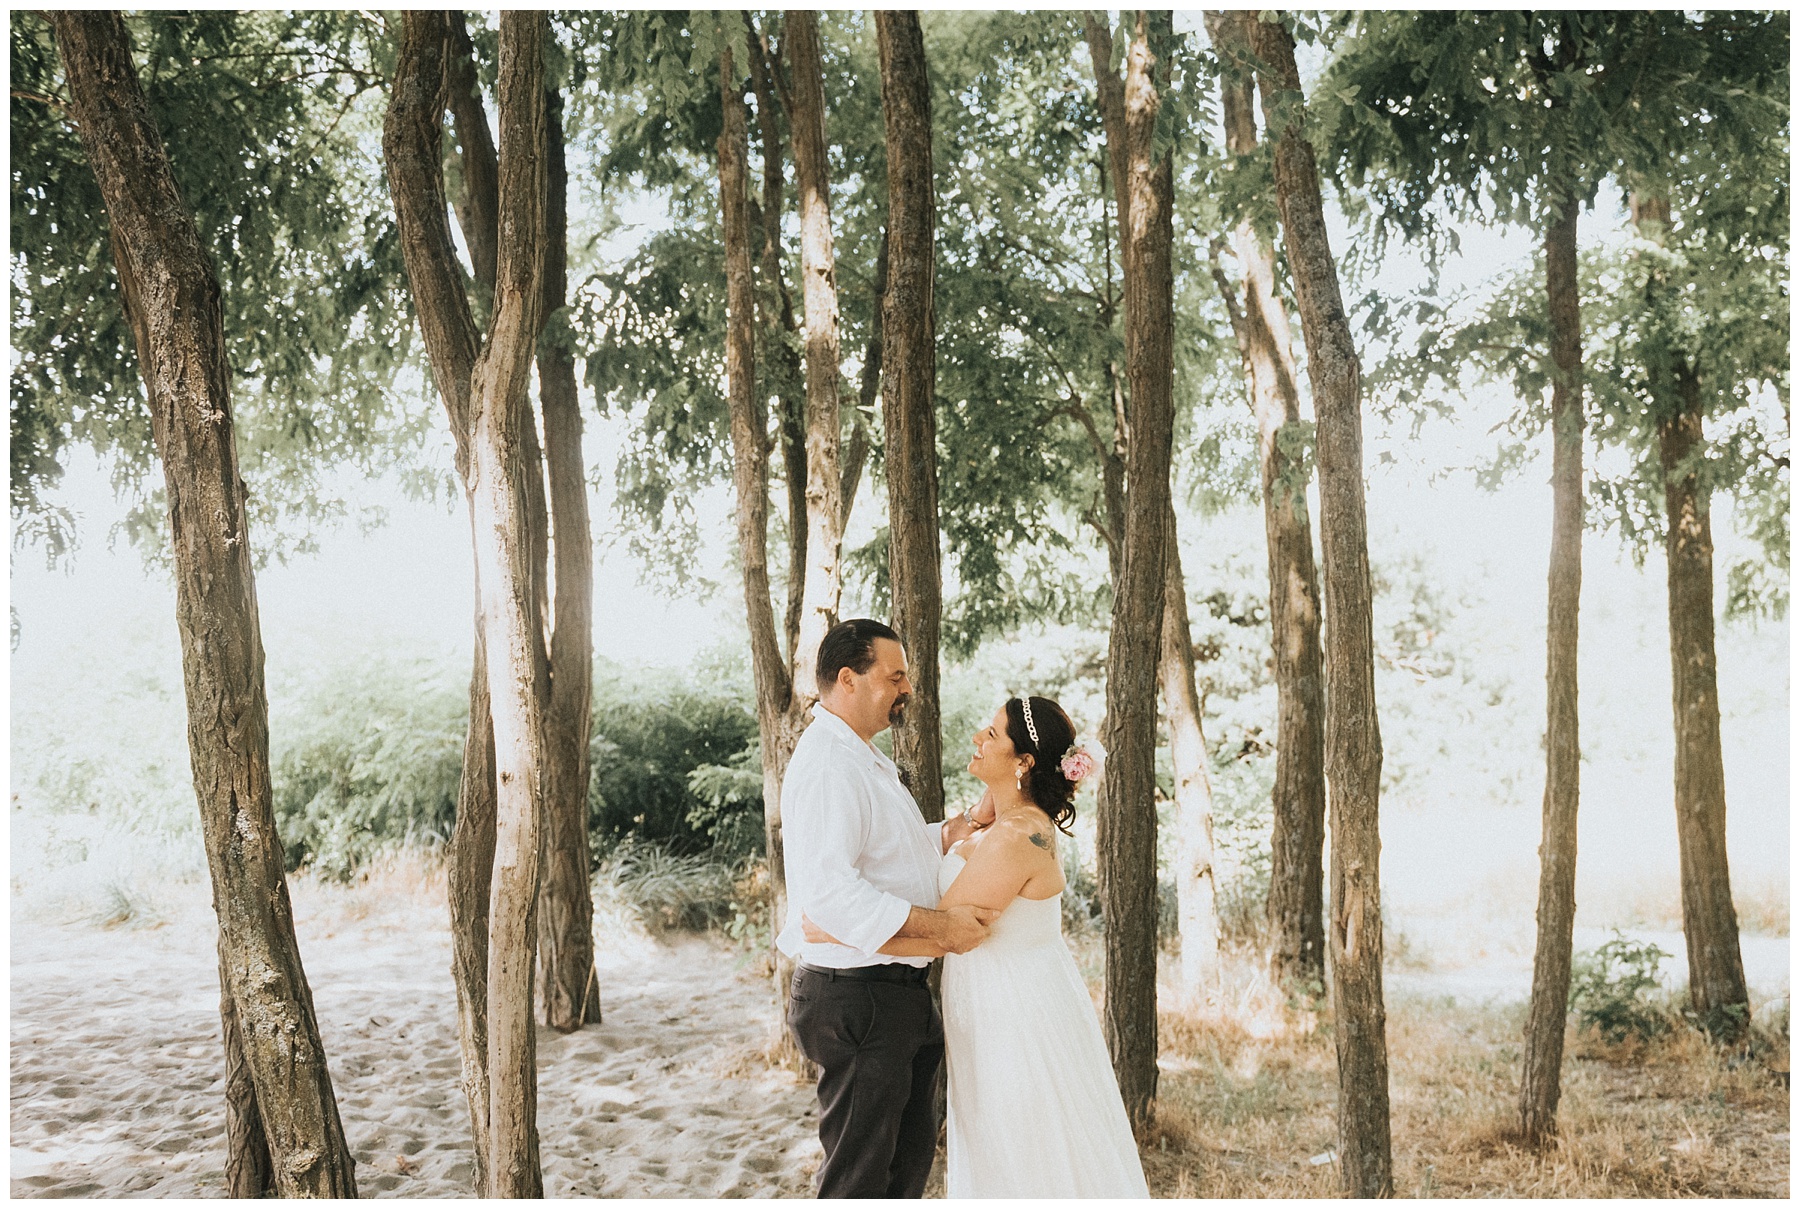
[{"x": 845, "y": 733}]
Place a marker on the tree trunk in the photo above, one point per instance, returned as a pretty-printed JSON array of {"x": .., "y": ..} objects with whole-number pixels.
[
  {"x": 821, "y": 585},
  {"x": 1715, "y": 963},
  {"x": 171, "y": 301},
  {"x": 1196, "y": 886},
  {"x": 1352, "y": 730},
  {"x": 858, "y": 452},
  {"x": 909, "y": 399},
  {"x": 495, "y": 854},
  {"x": 787, "y": 379},
  {"x": 1296, "y": 902},
  {"x": 1541, "y": 1083},
  {"x": 249, "y": 1170},
  {"x": 471, "y": 878},
  {"x": 500, "y": 484},
  {"x": 1126, "y": 839},
  {"x": 480, "y": 163},
  {"x": 566, "y": 933}
]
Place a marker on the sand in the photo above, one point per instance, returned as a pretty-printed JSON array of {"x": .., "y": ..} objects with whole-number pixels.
[{"x": 117, "y": 1069}]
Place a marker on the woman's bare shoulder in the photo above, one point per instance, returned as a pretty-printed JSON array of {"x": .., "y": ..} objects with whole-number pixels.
[{"x": 1024, "y": 833}]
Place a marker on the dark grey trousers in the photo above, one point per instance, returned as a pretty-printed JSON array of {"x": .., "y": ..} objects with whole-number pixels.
[{"x": 880, "y": 1050}]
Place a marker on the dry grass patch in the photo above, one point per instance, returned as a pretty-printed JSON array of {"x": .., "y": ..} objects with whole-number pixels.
[{"x": 1247, "y": 1107}]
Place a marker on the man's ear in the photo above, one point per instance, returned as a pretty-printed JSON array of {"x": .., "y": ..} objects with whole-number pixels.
[{"x": 846, "y": 680}]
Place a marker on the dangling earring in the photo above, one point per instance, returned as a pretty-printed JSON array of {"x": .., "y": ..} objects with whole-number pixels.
[{"x": 1019, "y": 780}]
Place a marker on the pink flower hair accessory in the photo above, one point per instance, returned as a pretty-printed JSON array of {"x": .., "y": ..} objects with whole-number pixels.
[{"x": 1078, "y": 764}]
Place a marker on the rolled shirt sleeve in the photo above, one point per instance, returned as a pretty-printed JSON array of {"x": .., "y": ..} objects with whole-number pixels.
[{"x": 828, "y": 815}]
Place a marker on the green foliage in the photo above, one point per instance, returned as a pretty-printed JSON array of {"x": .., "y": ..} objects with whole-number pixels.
[
  {"x": 652, "y": 732},
  {"x": 668, "y": 891},
  {"x": 366, "y": 759},
  {"x": 730, "y": 803},
  {"x": 272, "y": 124},
  {"x": 1608, "y": 990}
]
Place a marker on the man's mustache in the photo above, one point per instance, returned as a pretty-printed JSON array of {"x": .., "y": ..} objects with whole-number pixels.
[{"x": 897, "y": 710}]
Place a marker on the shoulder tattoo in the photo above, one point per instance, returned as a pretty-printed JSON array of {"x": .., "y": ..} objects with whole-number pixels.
[{"x": 1042, "y": 841}]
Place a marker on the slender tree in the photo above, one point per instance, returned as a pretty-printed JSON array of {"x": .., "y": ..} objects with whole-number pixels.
[
  {"x": 282, "y": 1124},
  {"x": 483, "y": 382},
  {"x": 1126, "y": 840},
  {"x": 1541, "y": 1085},
  {"x": 909, "y": 398},
  {"x": 571, "y": 991},
  {"x": 1352, "y": 730},
  {"x": 1259, "y": 321},
  {"x": 818, "y": 271},
  {"x": 1195, "y": 882}
]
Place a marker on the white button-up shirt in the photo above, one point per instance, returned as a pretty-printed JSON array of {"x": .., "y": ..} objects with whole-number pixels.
[{"x": 859, "y": 855}]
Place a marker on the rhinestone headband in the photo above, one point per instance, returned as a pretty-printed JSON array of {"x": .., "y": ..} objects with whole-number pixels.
[{"x": 1030, "y": 726}]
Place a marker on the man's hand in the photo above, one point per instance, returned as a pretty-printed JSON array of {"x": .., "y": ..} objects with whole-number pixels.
[
  {"x": 815, "y": 934},
  {"x": 965, "y": 927}
]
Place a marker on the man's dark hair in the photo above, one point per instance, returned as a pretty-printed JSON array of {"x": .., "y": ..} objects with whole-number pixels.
[{"x": 850, "y": 644}]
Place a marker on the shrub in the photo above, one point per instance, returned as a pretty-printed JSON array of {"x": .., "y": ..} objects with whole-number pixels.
[
  {"x": 367, "y": 760},
  {"x": 669, "y": 891},
  {"x": 652, "y": 733},
  {"x": 1608, "y": 990}
]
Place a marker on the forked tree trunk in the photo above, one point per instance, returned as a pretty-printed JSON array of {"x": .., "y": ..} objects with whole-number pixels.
[
  {"x": 283, "y": 1127},
  {"x": 1126, "y": 838},
  {"x": 1259, "y": 320},
  {"x": 494, "y": 859},
  {"x": 571, "y": 991},
  {"x": 1541, "y": 1084},
  {"x": 1352, "y": 731},
  {"x": 908, "y": 323},
  {"x": 1715, "y": 961}
]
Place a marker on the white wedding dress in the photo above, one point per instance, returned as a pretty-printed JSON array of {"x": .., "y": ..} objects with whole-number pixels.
[{"x": 1034, "y": 1106}]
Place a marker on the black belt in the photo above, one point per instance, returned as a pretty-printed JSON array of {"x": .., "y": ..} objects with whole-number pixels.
[{"x": 903, "y": 974}]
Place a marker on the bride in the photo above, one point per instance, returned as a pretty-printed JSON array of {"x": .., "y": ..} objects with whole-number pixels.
[{"x": 1034, "y": 1107}]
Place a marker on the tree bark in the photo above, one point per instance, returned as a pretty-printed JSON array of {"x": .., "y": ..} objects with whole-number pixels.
[
  {"x": 775, "y": 695},
  {"x": 476, "y": 204},
  {"x": 500, "y": 484},
  {"x": 172, "y": 303},
  {"x": 249, "y": 1169},
  {"x": 909, "y": 398},
  {"x": 1296, "y": 902},
  {"x": 1352, "y": 730},
  {"x": 1541, "y": 1084},
  {"x": 822, "y": 581},
  {"x": 495, "y": 858},
  {"x": 1716, "y": 987},
  {"x": 787, "y": 378},
  {"x": 1715, "y": 962},
  {"x": 471, "y": 879},
  {"x": 1196, "y": 886},
  {"x": 1126, "y": 838},
  {"x": 571, "y": 991}
]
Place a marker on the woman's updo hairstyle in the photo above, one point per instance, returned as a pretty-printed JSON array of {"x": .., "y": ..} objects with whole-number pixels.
[{"x": 1049, "y": 790}]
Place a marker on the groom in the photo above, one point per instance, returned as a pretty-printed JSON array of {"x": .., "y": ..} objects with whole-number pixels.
[{"x": 862, "y": 864}]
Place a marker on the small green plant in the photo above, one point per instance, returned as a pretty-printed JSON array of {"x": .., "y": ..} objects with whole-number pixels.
[
  {"x": 670, "y": 892},
  {"x": 1612, "y": 990}
]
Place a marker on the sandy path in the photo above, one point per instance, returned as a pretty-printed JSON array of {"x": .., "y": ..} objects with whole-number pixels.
[{"x": 117, "y": 1068}]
